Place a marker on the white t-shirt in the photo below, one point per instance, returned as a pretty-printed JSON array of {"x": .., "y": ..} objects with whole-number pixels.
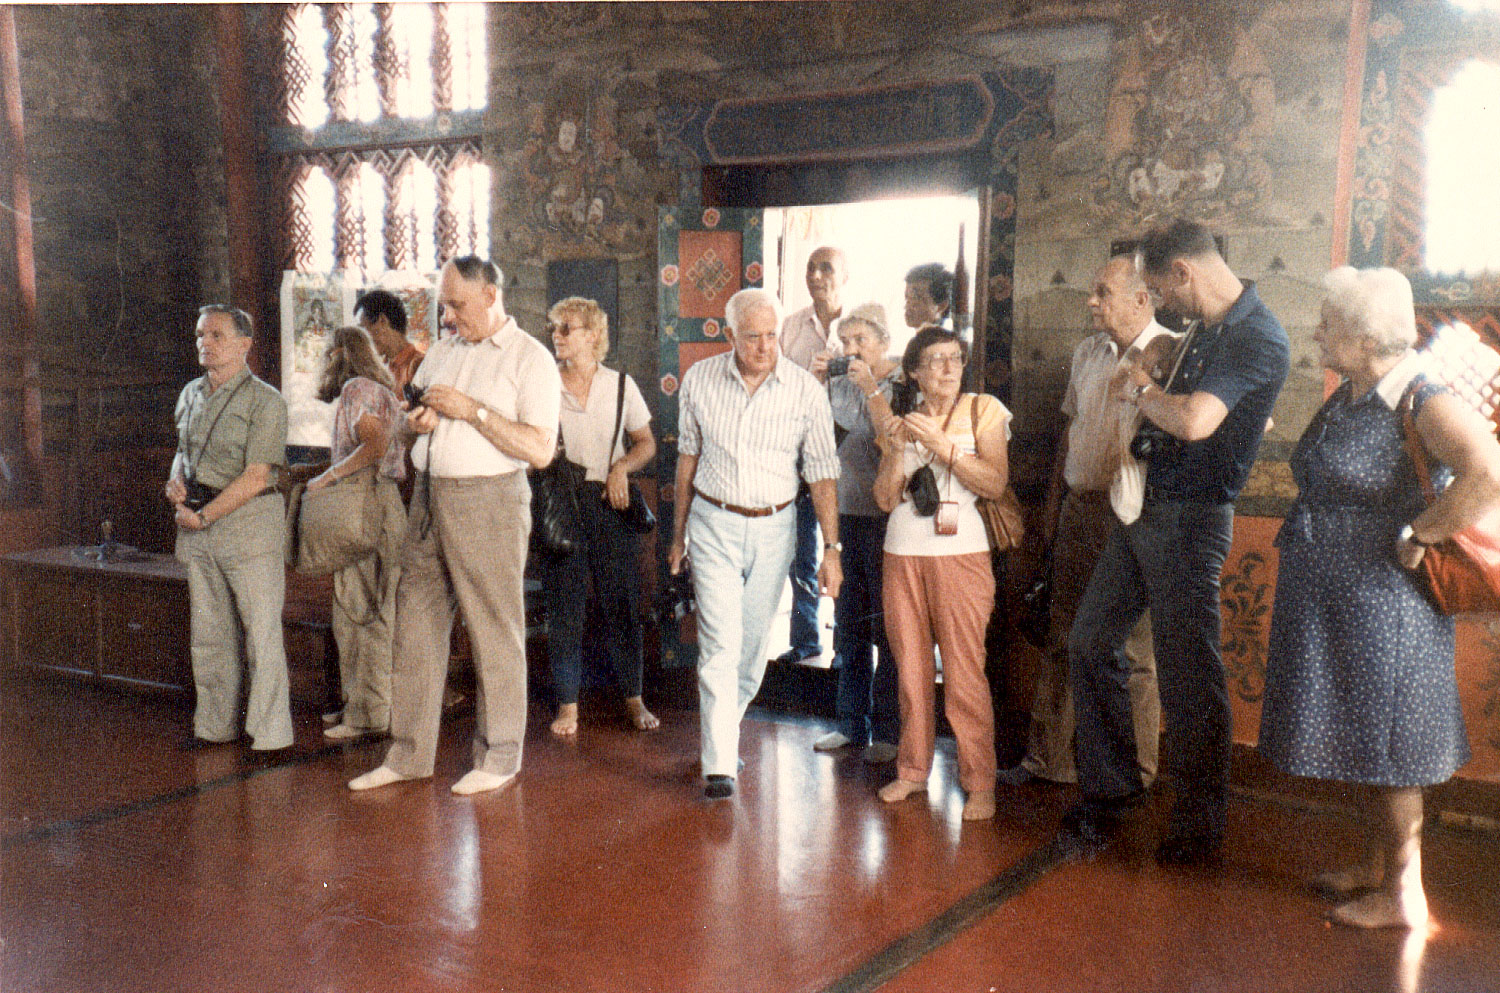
[
  {"x": 586, "y": 429},
  {"x": 907, "y": 533}
]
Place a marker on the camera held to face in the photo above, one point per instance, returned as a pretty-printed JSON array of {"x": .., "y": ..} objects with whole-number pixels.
[{"x": 838, "y": 366}]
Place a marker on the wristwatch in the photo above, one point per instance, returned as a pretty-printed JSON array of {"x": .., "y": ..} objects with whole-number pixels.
[
  {"x": 1407, "y": 534},
  {"x": 1139, "y": 391},
  {"x": 837, "y": 546}
]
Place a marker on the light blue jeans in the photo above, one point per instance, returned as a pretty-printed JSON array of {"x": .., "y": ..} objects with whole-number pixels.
[{"x": 739, "y": 570}]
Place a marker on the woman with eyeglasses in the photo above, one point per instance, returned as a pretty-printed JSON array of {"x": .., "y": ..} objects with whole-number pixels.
[
  {"x": 366, "y": 439},
  {"x": 606, "y": 428},
  {"x": 938, "y": 585}
]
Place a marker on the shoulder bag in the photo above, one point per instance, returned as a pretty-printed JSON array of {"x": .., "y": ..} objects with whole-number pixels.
[
  {"x": 1462, "y": 572},
  {"x": 333, "y": 527},
  {"x": 1003, "y": 523},
  {"x": 637, "y": 517},
  {"x": 555, "y": 519}
]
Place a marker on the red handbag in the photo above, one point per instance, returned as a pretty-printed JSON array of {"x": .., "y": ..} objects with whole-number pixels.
[{"x": 1462, "y": 572}]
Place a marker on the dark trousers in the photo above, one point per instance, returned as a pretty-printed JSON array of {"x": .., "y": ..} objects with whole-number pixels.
[
  {"x": 609, "y": 560},
  {"x": 868, "y": 703},
  {"x": 1169, "y": 560},
  {"x": 804, "y": 621}
]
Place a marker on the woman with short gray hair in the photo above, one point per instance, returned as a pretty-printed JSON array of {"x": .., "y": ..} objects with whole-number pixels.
[
  {"x": 860, "y": 385},
  {"x": 1360, "y": 687}
]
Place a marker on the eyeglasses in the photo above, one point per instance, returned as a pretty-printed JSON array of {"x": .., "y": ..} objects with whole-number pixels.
[
  {"x": 564, "y": 330},
  {"x": 952, "y": 360}
]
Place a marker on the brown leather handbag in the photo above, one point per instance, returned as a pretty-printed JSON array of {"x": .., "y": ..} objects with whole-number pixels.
[
  {"x": 1003, "y": 523},
  {"x": 1462, "y": 572}
]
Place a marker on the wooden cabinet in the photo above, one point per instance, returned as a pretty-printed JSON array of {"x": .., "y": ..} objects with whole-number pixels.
[{"x": 121, "y": 622}]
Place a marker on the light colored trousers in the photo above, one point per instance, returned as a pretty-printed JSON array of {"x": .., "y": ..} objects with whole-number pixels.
[
  {"x": 739, "y": 571},
  {"x": 1083, "y": 527},
  {"x": 947, "y": 600},
  {"x": 237, "y": 587},
  {"x": 472, "y": 558},
  {"x": 364, "y": 612}
]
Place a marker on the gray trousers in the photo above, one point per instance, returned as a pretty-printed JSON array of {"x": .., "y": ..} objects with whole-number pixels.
[
  {"x": 364, "y": 613},
  {"x": 237, "y": 587},
  {"x": 471, "y": 557}
]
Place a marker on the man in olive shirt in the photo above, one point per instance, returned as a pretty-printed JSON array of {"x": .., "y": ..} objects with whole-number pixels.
[{"x": 231, "y": 431}]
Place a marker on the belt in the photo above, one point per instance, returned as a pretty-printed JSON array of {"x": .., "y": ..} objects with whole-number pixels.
[{"x": 742, "y": 511}]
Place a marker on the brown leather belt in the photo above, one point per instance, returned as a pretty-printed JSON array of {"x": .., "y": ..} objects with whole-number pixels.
[{"x": 742, "y": 511}]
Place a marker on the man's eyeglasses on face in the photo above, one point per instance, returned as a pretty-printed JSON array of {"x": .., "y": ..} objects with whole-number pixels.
[{"x": 951, "y": 361}]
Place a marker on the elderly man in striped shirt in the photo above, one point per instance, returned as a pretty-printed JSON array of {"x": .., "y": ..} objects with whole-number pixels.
[{"x": 746, "y": 417}]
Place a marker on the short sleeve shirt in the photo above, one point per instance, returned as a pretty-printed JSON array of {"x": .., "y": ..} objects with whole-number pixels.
[
  {"x": 219, "y": 433},
  {"x": 911, "y": 534},
  {"x": 588, "y": 429},
  {"x": 361, "y": 397},
  {"x": 859, "y": 456},
  {"x": 1246, "y": 369},
  {"x": 802, "y": 337}
]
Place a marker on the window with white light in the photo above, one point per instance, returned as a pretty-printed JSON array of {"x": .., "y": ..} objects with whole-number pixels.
[
  {"x": 406, "y": 188},
  {"x": 1462, "y": 192}
]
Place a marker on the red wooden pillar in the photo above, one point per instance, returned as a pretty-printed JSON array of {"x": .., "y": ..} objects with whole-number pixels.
[{"x": 246, "y": 237}]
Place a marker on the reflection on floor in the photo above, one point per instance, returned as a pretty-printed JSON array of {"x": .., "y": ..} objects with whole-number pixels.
[{"x": 131, "y": 864}]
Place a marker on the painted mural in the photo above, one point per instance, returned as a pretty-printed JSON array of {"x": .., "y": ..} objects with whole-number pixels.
[{"x": 1186, "y": 125}]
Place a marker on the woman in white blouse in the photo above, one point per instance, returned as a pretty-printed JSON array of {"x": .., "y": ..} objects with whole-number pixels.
[
  {"x": 610, "y": 553},
  {"x": 938, "y": 584}
]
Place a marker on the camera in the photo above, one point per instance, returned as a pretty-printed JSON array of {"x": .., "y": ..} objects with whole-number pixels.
[
  {"x": 198, "y": 495},
  {"x": 412, "y": 395},
  {"x": 904, "y": 396},
  {"x": 923, "y": 490},
  {"x": 838, "y": 365},
  {"x": 1148, "y": 441}
]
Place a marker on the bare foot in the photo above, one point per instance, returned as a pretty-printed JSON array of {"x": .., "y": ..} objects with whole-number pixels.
[
  {"x": 899, "y": 789},
  {"x": 980, "y": 806},
  {"x": 1384, "y": 910},
  {"x": 1341, "y": 884},
  {"x": 565, "y": 724},
  {"x": 642, "y": 718}
]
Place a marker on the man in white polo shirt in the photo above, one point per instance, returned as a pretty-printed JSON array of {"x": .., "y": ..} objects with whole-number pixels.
[
  {"x": 489, "y": 409},
  {"x": 747, "y": 419}
]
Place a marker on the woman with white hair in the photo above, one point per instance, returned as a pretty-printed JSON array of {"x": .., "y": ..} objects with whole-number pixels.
[
  {"x": 606, "y": 428},
  {"x": 1360, "y": 686},
  {"x": 860, "y": 390}
]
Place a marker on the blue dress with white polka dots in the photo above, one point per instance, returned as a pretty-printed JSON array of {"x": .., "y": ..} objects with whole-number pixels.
[{"x": 1360, "y": 684}]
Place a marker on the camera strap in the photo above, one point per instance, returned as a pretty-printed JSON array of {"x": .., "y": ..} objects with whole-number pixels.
[{"x": 192, "y": 463}]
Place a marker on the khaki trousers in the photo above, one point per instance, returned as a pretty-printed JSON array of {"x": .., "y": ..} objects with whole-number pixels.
[
  {"x": 471, "y": 557},
  {"x": 1083, "y": 527},
  {"x": 236, "y": 589},
  {"x": 364, "y": 612},
  {"x": 945, "y": 599}
]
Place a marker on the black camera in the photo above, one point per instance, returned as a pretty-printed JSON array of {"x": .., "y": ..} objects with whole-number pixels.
[
  {"x": 412, "y": 395},
  {"x": 198, "y": 495},
  {"x": 838, "y": 365},
  {"x": 904, "y": 394},
  {"x": 922, "y": 487},
  {"x": 1149, "y": 441},
  {"x": 678, "y": 599}
]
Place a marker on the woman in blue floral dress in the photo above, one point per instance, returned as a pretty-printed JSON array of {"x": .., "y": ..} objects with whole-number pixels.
[{"x": 1360, "y": 685}]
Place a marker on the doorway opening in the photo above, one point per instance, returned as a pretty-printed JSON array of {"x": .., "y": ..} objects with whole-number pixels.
[{"x": 881, "y": 239}]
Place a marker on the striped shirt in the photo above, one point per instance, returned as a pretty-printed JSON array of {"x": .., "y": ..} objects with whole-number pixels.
[{"x": 750, "y": 445}]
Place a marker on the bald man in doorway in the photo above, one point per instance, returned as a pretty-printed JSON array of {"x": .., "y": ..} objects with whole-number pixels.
[{"x": 806, "y": 337}]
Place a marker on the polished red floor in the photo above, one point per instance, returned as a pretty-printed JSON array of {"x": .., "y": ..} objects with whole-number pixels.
[{"x": 131, "y": 865}]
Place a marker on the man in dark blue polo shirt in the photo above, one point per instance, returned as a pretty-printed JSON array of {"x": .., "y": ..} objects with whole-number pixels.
[{"x": 1200, "y": 438}]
